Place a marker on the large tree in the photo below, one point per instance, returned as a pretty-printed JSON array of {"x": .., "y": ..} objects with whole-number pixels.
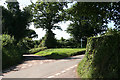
[
  {"x": 89, "y": 19},
  {"x": 16, "y": 22},
  {"x": 46, "y": 15}
]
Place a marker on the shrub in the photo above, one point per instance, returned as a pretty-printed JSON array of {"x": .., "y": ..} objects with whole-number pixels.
[
  {"x": 11, "y": 51},
  {"x": 70, "y": 43},
  {"x": 101, "y": 60}
]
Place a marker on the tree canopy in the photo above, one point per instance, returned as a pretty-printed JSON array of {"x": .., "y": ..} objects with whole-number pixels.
[
  {"x": 16, "y": 22},
  {"x": 89, "y": 19},
  {"x": 45, "y": 16}
]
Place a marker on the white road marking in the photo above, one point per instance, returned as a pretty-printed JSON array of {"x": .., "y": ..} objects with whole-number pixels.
[
  {"x": 68, "y": 69},
  {"x": 51, "y": 76},
  {"x": 63, "y": 71},
  {"x": 57, "y": 74},
  {"x": 23, "y": 67}
]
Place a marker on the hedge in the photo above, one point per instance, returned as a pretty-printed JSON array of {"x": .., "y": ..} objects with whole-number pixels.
[
  {"x": 101, "y": 58},
  {"x": 11, "y": 51}
]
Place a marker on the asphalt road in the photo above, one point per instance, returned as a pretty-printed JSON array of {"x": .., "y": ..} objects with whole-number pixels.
[{"x": 63, "y": 68}]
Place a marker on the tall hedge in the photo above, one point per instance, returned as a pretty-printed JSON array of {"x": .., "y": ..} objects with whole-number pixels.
[
  {"x": 101, "y": 58},
  {"x": 11, "y": 51}
]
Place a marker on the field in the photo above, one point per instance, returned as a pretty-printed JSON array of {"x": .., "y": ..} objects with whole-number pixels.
[{"x": 60, "y": 52}]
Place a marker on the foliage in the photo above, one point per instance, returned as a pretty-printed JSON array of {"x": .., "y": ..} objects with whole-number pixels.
[
  {"x": 46, "y": 15},
  {"x": 69, "y": 43},
  {"x": 89, "y": 19},
  {"x": 101, "y": 60},
  {"x": 37, "y": 43},
  {"x": 59, "y": 53},
  {"x": 61, "y": 43},
  {"x": 11, "y": 52},
  {"x": 49, "y": 40},
  {"x": 35, "y": 50},
  {"x": 78, "y": 31},
  {"x": 16, "y": 22},
  {"x": 26, "y": 44},
  {"x": 111, "y": 31}
]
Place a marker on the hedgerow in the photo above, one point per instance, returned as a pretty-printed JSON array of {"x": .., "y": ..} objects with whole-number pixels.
[
  {"x": 101, "y": 58},
  {"x": 11, "y": 51}
]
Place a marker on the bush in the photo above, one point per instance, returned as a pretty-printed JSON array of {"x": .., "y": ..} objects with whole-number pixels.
[
  {"x": 101, "y": 60},
  {"x": 11, "y": 51},
  {"x": 70, "y": 43}
]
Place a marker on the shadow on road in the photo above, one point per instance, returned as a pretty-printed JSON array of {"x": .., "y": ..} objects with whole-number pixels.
[
  {"x": 28, "y": 57},
  {"x": 32, "y": 57}
]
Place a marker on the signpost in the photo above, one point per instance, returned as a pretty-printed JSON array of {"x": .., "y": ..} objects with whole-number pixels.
[{"x": 81, "y": 42}]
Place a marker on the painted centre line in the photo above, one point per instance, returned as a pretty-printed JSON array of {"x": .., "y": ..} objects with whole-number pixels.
[{"x": 57, "y": 74}]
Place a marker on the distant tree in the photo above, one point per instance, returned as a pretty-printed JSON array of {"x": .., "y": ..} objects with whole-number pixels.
[
  {"x": 78, "y": 31},
  {"x": 49, "y": 40},
  {"x": 46, "y": 15},
  {"x": 62, "y": 42},
  {"x": 62, "y": 39}
]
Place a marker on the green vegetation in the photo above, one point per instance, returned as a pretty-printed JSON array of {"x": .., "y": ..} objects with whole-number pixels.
[
  {"x": 46, "y": 15},
  {"x": 11, "y": 52},
  {"x": 49, "y": 41},
  {"x": 16, "y": 35},
  {"x": 101, "y": 58},
  {"x": 69, "y": 43},
  {"x": 16, "y": 22},
  {"x": 35, "y": 50},
  {"x": 87, "y": 19},
  {"x": 59, "y": 53}
]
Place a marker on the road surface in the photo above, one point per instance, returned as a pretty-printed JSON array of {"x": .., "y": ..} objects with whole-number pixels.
[{"x": 46, "y": 68}]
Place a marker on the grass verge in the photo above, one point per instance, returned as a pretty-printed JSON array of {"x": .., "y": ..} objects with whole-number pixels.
[
  {"x": 83, "y": 69},
  {"x": 60, "y": 53},
  {"x": 35, "y": 50}
]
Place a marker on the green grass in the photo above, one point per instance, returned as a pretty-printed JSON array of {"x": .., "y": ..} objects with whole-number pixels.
[
  {"x": 35, "y": 50},
  {"x": 84, "y": 68},
  {"x": 59, "y": 53}
]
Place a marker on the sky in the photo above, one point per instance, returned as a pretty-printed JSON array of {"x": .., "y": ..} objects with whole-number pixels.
[{"x": 42, "y": 32}]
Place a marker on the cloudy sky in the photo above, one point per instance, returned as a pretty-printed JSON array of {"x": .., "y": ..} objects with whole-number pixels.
[{"x": 41, "y": 32}]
